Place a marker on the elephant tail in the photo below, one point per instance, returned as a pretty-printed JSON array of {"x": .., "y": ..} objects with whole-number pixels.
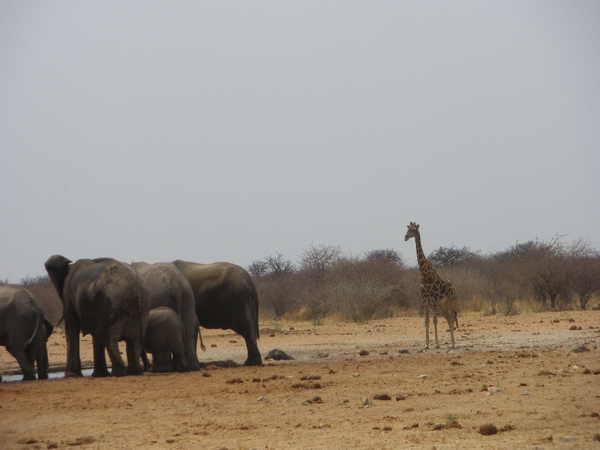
[{"x": 39, "y": 322}]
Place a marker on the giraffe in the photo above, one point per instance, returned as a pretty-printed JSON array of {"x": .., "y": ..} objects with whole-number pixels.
[{"x": 438, "y": 295}]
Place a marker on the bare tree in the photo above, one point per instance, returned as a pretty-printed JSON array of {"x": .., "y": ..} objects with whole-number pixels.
[
  {"x": 584, "y": 262},
  {"x": 258, "y": 268},
  {"x": 388, "y": 255},
  {"x": 277, "y": 265},
  {"x": 317, "y": 259},
  {"x": 451, "y": 256}
]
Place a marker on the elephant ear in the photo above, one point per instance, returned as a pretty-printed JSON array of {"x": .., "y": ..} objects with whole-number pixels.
[{"x": 57, "y": 262}]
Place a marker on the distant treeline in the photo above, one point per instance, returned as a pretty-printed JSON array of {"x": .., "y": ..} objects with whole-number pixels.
[
  {"x": 326, "y": 283},
  {"x": 535, "y": 275}
]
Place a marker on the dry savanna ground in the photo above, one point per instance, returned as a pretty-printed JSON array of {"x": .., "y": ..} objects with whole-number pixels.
[{"x": 534, "y": 377}]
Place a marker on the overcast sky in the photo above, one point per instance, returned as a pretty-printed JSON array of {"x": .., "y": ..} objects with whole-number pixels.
[{"x": 231, "y": 131}]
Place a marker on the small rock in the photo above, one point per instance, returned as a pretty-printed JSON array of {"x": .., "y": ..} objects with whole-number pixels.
[
  {"x": 452, "y": 423},
  {"x": 310, "y": 377},
  {"x": 322, "y": 354},
  {"x": 363, "y": 352},
  {"x": 494, "y": 390},
  {"x": 580, "y": 349},
  {"x": 234, "y": 380},
  {"x": 422, "y": 377},
  {"x": 569, "y": 438},
  {"x": 403, "y": 351},
  {"x": 262, "y": 398},
  {"x": 488, "y": 429},
  {"x": 356, "y": 375},
  {"x": 317, "y": 399},
  {"x": 366, "y": 402},
  {"x": 573, "y": 327},
  {"x": 525, "y": 393},
  {"x": 381, "y": 397},
  {"x": 400, "y": 398}
]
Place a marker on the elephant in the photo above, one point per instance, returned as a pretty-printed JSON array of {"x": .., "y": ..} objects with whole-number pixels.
[
  {"x": 226, "y": 298},
  {"x": 168, "y": 287},
  {"x": 165, "y": 336},
  {"x": 107, "y": 299},
  {"x": 24, "y": 330}
]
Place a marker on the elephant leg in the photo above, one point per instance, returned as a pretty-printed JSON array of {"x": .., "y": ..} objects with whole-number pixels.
[
  {"x": 21, "y": 357},
  {"x": 43, "y": 373},
  {"x": 72, "y": 335},
  {"x": 254, "y": 358},
  {"x": 100, "y": 368},
  {"x": 176, "y": 346},
  {"x": 161, "y": 361},
  {"x": 145, "y": 361},
  {"x": 37, "y": 354},
  {"x": 118, "y": 366},
  {"x": 246, "y": 328},
  {"x": 191, "y": 337},
  {"x": 181, "y": 364},
  {"x": 42, "y": 363},
  {"x": 134, "y": 350}
]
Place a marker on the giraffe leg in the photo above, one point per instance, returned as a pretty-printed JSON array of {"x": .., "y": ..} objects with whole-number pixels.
[
  {"x": 437, "y": 344},
  {"x": 450, "y": 318},
  {"x": 426, "y": 327}
]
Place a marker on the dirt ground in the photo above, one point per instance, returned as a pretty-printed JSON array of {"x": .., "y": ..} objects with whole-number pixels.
[{"x": 527, "y": 375}]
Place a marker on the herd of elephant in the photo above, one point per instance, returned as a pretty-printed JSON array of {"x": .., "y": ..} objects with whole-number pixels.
[{"x": 152, "y": 307}]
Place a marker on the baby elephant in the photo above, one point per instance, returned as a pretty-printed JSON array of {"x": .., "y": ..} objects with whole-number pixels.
[
  {"x": 24, "y": 330},
  {"x": 164, "y": 336}
]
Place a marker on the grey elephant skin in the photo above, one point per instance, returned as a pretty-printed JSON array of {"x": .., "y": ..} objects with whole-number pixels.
[
  {"x": 168, "y": 287},
  {"x": 165, "y": 336},
  {"x": 24, "y": 330},
  {"x": 226, "y": 298},
  {"x": 107, "y": 299}
]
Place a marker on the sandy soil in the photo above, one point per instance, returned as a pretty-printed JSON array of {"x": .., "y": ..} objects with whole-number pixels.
[{"x": 521, "y": 374}]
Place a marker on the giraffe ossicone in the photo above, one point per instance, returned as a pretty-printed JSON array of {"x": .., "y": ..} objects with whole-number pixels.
[{"x": 439, "y": 297}]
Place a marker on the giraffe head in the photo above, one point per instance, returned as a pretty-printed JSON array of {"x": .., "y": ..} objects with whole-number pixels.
[{"x": 413, "y": 231}]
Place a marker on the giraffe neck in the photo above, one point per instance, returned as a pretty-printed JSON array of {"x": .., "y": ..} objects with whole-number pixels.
[{"x": 425, "y": 266}]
